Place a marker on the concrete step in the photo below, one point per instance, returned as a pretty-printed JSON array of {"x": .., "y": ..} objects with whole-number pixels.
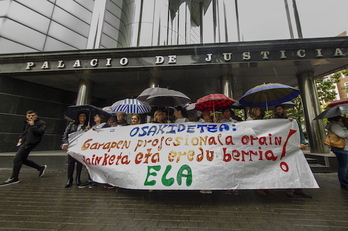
[
  {"x": 312, "y": 161},
  {"x": 321, "y": 162},
  {"x": 319, "y": 168},
  {"x": 54, "y": 159}
]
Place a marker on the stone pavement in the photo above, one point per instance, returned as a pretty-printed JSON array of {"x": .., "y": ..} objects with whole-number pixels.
[{"x": 44, "y": 204}]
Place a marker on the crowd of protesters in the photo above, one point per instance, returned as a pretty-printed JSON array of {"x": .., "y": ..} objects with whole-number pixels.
[{"x": 35, "y": 128}]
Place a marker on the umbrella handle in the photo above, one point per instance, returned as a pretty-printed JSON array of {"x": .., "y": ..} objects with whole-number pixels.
[{"x": 266, "y": 103}]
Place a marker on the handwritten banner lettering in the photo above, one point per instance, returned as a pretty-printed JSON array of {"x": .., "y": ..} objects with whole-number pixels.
[{"x": 259, "y": 154}]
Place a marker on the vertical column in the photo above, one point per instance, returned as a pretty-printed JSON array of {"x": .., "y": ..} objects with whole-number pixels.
[
  {"x": 226, "y": 85},
  {"x": 96, "y": 25},
  {"x": 85, "y": 92},
  {"x": 153, "y": 82},
  {"x": 311, "y": 107}
]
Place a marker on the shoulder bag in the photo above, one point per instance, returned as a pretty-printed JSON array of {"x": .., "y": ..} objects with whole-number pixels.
[{"x": 334, "y": 140}]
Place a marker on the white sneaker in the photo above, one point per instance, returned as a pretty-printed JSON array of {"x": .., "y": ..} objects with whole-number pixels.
[
  {"x": 42, "y": 170},
  {"x": 10, "y": 181}
]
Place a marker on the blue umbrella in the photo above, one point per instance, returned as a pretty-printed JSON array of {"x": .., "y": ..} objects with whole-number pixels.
[
  {"x": 131, "y": 106},
  {"x": 265, "y": 95}
]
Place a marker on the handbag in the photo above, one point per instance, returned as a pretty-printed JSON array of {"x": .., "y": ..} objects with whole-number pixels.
[{"x": 334, "y": 140}]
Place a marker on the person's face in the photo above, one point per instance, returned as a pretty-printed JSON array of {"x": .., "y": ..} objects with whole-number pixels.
[
  {"x": 177, "y": 113},
  {"x": 160, "y": 116},
  {"x": 111, "y": 121},
  {"x": 206, "y": 115},
  {"x": 134, "y": 120},
  {"x": 31, "y": 116},
  {"x": 82, "y": 118},
  {"x": 97, "y": 118},
  {"x": 258, "y": 112},
  {"x": 279, "y": 111},
  {"x": 227, "y": 114},
  {"x": 119, "y": 117}
]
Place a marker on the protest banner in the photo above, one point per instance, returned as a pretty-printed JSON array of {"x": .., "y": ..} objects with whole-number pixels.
[{"x": 258, "y": 154}]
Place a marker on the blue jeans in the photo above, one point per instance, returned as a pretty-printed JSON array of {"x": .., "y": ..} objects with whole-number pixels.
[{"x": 342, "y": 158}]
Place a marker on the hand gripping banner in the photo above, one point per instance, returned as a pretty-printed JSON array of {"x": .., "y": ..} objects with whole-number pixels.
[{"x": 258, "y": 154}]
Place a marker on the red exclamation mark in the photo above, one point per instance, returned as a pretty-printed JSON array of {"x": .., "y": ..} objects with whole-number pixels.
[{"x": 284, "y": 166}]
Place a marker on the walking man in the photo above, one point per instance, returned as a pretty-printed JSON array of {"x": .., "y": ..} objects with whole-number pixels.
[{"x": 31, "y": 136}]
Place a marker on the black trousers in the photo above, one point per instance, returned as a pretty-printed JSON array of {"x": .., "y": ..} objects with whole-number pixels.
[
  {"x": 71, "y": 167},
  {"x": 21, "y": 158}
]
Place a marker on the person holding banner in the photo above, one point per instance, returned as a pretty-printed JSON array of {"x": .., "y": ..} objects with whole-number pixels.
[
  {"x": 206, "y": 117},
  {"x": 80, "y": 124},
  {"x": 226, "y": 113},
  {"x": 159, "y": 117},
  {"x": 100, "y": 122},
  {"x": 180, "y": 114},
  {"x": 112, "y": 121},
  {"x": 257, "y": 113},
  {"x": 280, "y": 113},
  {"x": 121, "y": 119},
  {"x": 337, "y": 127},
  {"x": 135, "y": 119}
]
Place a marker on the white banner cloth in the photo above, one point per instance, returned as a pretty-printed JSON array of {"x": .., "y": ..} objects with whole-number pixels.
[{"x": 258, "y": 154}]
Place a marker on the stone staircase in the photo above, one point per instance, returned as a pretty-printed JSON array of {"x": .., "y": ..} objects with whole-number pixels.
[{"x": 321, "y": 162}]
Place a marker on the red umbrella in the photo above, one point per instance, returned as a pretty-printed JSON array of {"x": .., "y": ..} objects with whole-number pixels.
[
  {"x": 214, "y": 102},
  {"x": 338, "y": 102}
]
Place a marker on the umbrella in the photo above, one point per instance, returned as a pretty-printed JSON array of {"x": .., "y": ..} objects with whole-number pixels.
[
  {"x": 337, "y": 110},
  {"x": 131, "y": 106},
  {"x": 214, "y": 102},
  {"x": 168, "y": 98},
  {"x": 109, "y": 110},
  {"x": 90, "y": 110},
  {"x": 150, "y": 91},
  {"x": 337, "y": 102},
  {"x": 265, "y": 95},
  {"x": 237, "y": 105},
  {"x": 190, "y": 106}
]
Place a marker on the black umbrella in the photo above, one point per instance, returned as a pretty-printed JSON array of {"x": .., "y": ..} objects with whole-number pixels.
[
  {"x": 90, "y": 110},
  {"x": 150, "y": 91},
  {"x": 338, "y": 110}
]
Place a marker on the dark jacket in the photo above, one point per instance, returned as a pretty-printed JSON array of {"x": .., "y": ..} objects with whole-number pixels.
[
  {"x": 122, "y": 122},
  {"x": 71, "y": 128},
  {"x": 32, "y": 135}
]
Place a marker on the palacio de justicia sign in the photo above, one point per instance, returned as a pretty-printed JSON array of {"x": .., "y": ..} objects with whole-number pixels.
[{"x": 195, "y": 59}]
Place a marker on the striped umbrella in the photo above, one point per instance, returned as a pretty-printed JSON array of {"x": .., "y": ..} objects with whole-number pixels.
[
  {"x": 214, "y": 102},
  {"x": 131, "y": 106}
]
